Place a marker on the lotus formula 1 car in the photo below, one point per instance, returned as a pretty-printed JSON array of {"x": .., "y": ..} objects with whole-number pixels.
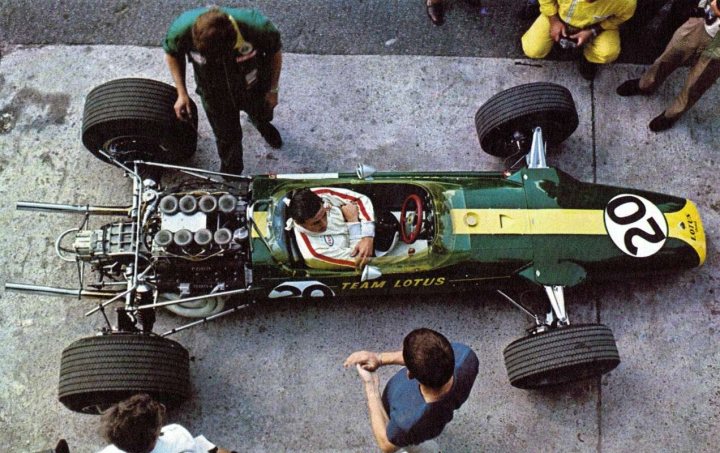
[{"x": 208, "y": 244}]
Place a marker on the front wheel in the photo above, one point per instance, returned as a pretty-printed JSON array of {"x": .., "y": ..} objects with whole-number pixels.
[
  {"x": 505, "y": 123},
  {"x": 97, "y": 372},
  {"x": 561, "y": 355}
]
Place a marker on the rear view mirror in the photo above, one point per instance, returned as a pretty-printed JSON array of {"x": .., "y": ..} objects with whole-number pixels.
[
  {"x": 365, "y": 171},
  {"x": 370, "y": 273}
]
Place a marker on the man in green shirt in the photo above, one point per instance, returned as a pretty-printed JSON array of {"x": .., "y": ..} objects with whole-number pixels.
[
  {"x": 696, "y": 38},
  {"x": 236, "y": 58}
]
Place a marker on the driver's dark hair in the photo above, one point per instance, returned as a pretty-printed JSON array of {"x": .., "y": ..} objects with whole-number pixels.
[
  {"x": 429, "y": 357},
  {"x": 133, "y": 424},
  {"x": 304, "y": 204},
  {"x": 213, "y": 33}
]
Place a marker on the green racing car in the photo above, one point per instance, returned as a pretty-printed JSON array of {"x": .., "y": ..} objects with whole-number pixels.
[{"x": 205, "y": 244}]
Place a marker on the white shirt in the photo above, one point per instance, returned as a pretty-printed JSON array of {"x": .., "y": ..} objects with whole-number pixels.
[
  {"x": 332, "y": 248},
  {"x": 713, "y": 27},
  {"x": 173, "y": 439}
]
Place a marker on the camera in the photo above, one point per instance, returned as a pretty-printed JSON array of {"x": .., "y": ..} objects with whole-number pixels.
[{"x": 567, "y": 43}]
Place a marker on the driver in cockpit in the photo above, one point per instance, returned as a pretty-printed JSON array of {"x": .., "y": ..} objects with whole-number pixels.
[{"x": 333, "y": 227}]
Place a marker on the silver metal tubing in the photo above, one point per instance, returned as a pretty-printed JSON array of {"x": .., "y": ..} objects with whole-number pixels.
[
  {"x": 118, "y": 163},
  {"x": 192, "y": 299},
  {"x": 108, "y": 302},
  {"x": 104, "y": 284},
  {"x": 520, "y": 307},
  {"x": 194, "y": 170},
  {"x": 71, "y": 208},
  {"x": 536, "y": 156},
  {"x": 58, "y": 249},
  {"x": 137, "y": 203},
  {"x": 557, "y": 302},
  {"x": 54, "y": 291},
  {"x": 204, "y": 320}
]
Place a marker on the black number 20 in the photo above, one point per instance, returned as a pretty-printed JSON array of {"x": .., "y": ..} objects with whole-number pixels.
[{"x": 657, "y": 234}]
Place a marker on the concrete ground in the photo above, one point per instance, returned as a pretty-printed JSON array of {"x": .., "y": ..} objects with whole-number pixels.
[{"x": 271, "y": 379}]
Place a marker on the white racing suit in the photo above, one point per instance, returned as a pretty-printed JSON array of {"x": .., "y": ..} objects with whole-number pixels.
[{"x": 332, "y": 248}]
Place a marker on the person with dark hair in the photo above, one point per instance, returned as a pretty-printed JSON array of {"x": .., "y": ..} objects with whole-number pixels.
[
  {"x": 592, "y": 25},
  {"x": 417, "y": 402},
  {"x": 333, "y": 227},
  {"x": 236, "y": 58},
  {"x": 698, "y": 40},
  {"x": 135, "y": 425}
]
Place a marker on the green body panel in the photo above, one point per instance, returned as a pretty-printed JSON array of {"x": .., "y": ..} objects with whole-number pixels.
[
  {"x": 465, "y": 261},
  {"x": 567, "y": 260}
]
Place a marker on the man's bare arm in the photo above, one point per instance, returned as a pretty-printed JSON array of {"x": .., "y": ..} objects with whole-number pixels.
[
  {"x": 177, "y": 71},
  {"x": 378, "y": 417},
  {"x": 371, "y": 361}
]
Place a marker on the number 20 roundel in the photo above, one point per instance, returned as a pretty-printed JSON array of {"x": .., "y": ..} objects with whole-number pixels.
[{"x": 636, "y": 226}]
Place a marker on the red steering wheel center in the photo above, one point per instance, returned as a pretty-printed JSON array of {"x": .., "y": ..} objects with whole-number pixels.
[{"x": 409, "y": 237}]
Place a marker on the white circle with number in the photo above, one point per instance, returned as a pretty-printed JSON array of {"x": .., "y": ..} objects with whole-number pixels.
[{"x": 635, "y": 225}]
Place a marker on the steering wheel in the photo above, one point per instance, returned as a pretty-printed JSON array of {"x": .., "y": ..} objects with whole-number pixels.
[{"x": 411, "y": 222}]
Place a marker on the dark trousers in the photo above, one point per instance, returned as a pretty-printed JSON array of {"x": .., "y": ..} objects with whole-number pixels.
[{"x": 224, "y": 118}]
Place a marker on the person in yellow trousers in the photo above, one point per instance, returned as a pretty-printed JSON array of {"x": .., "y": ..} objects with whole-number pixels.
[{"x": 591, "y": 25}]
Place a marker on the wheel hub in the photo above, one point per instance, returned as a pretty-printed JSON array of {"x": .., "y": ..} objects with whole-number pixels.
[{"x": 130, "y": 148}]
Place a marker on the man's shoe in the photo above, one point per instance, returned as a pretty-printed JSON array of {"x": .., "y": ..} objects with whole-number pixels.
[
  {"x": 270, "y": 134},
  {"x": 631, "y": 88},
  {"x": 587, "y": 69},
  {"x": 661, "y": 123},
  {"x": 436, "y": 13}
]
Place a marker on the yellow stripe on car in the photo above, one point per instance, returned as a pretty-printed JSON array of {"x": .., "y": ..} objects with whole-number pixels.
[
  {"x": 261, "y": 220},
  {"x": 684, "y": 224},
  {"x": 528, "y": 221}
]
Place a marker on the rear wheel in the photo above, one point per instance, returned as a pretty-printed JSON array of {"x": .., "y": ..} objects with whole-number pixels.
[
  {"x": 97, "y": 372},
  {"x": 505, "y": 123},
  {"x": 134, "y": 119},
  {"x": 562, "y": 355}
]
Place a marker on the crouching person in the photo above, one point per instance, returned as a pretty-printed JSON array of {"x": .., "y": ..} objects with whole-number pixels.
[
  {"x": 135, "y": 425},
  {"x": 589, "y": 24}
]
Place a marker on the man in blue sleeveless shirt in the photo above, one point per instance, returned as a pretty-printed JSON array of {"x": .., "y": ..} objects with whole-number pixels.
[{"x": 418, "y": 402}]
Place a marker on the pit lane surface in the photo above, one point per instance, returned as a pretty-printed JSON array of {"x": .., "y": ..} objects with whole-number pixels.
[{"x": 271, "y": 379}]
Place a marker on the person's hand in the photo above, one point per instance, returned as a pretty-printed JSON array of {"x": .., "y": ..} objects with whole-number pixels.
[
  {"x": 182, "y": 108},
  {"x": 363, "y": 251},
  {"x": 557, "y": 29},
  {"x": 271, "y": 99},
  {"x": 582, "y": 37},
  {"x": 365, "y": 359},
  {"x": 368, "y": 377},
  {"x": 350, "y": 212},
  {"x": 715, "y": 8}
]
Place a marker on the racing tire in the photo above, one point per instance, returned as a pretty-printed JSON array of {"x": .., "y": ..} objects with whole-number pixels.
[
  {"x": 134, "y": 119},
  {"x": 562, "y": 355},
  {"x": 97, "y": 372},
  {"x": 521, "y": 109}
]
